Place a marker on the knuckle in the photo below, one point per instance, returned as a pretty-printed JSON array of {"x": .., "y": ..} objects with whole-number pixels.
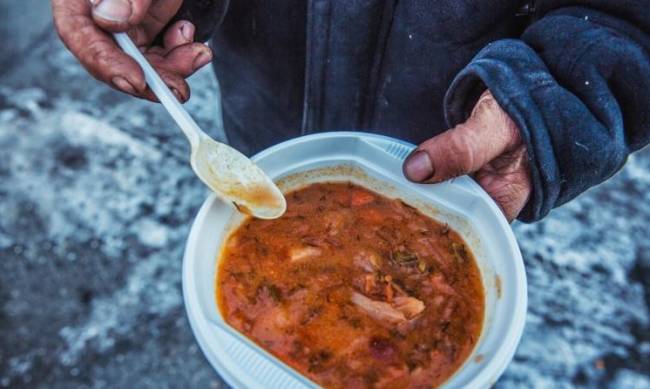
[{"x": 68, "y": 28}]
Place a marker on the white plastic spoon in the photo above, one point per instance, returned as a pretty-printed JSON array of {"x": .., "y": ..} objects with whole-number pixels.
[{"x": 226, "y": 171}]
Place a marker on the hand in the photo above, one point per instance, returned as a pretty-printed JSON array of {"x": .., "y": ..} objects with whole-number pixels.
[
  {"x": 83, "y": 26},
  {"x": 488, "y": 146}
]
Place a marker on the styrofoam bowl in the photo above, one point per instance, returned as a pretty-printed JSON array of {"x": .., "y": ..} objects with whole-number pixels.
[{"x": 459, "y": 202}]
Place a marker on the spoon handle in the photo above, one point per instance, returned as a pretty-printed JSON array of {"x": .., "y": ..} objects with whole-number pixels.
[{"x": 189, "y": 127}]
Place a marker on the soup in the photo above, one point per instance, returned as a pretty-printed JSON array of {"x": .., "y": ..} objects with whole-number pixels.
[{"x": 353, "y": 289}]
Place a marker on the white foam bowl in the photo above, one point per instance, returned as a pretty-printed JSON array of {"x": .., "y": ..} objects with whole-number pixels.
[{"x": 460, "y": 202}]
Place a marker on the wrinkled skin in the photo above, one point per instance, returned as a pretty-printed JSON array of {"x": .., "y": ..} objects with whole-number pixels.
[
  {"x": 488, "y": 146},
  {"x": 85, "y": 26}
]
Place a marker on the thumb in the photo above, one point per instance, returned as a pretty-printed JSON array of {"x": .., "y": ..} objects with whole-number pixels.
[
  {"x": 464, "y": 149},
  {"x": 119, "y": 15}
]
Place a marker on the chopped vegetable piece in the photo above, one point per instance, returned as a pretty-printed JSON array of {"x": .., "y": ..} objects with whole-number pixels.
[
  {"x": 297, "y": 254},
  {"x": 360, "y": 198},
  {"x": 403, "y": 257},
  {"x": 459, "y": 251}
]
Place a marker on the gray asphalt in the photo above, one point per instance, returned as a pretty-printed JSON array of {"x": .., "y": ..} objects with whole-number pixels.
[{"x": 96, "y": 201}]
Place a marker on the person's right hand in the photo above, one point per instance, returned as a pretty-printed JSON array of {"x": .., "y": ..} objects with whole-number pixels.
[{"x": 83, "y": 26}]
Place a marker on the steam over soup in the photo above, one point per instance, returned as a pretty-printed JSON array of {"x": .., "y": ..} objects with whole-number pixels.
[{"x": 353, "y": 289}]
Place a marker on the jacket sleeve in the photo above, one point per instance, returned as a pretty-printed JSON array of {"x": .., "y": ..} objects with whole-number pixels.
[{"x": 577, "y": 83}]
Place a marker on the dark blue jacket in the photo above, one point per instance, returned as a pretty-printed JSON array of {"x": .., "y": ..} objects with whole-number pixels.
[{"x": 573, "y": 75}]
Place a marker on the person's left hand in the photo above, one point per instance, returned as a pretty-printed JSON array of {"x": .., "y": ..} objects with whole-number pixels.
[{"x": 487, "y": 146}]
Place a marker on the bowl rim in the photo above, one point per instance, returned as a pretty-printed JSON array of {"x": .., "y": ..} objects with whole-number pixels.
[{"x": 490, "y": 370}]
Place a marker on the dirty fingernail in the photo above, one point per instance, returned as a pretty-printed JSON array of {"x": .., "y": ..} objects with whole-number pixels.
[
  {"x": 114, "y": 10},
  {"x": 177, "y": 94},
  {"x": 202, "y": 59},
  {"x": 122, "y": 84},
  {"x": 187, "y": 30},
  {"x": 418, "y": 167}
]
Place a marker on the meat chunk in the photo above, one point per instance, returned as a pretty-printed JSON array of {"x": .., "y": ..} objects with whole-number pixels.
[
  {"x": 297, "y": 254},
  {"x": 366, "y": 260},
  {"x": 334, "y": 221},
  {"x": 378, "y": 310},
  {"x": 399, "y": 310},
  {"x": 409, "y": 306}
]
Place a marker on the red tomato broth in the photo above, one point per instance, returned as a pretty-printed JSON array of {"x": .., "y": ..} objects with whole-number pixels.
[{"x": 353, "y": 289}]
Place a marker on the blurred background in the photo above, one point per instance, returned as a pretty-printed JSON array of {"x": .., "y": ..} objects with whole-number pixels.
[{"x": 96, "y": 201}]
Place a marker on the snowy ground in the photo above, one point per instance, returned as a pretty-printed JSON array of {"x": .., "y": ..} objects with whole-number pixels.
[{"x": 96, "y": 199}]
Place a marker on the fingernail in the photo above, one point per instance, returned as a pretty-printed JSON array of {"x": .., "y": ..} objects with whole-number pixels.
[
  {"x": 187, "y": 31},
  {"x": 177, "y": 94},
  {"x": 418, "y": 166},
  {"x": 114, "y": 10},
  {"x": 202, "y": 59},
  {"x": 122, "y": 84}
]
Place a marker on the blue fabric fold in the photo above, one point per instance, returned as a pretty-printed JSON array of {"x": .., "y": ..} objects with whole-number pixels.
[{"x": 579, "y": 91}]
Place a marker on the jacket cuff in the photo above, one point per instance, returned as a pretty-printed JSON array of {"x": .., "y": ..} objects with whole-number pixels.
[{"x": 516, "y": 77}]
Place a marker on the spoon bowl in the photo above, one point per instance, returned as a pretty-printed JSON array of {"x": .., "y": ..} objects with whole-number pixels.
[
  {"x": 233, "y": 177},
  {"x": 229, "y": 173}
]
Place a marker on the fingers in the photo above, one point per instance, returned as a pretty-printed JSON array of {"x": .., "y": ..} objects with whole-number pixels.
[
  {"x": 176, "y": 84},
  {"x": 172, "y": 73},
  {"x": 466, "y": 148},
  {"x": 119, "y": 15},
  {"x": 94, "y": 48},
  {"x": 178, "y": 59},
  {"x": 101, "y": 56},
  {"x": 180, "y": 55},
  {"x": 507, "y": 181},
  {"x": 175, "y": 65},
  {"x": 160, "y": 13},
  {"x": 187, "y": 59},
  {"x": 178, "y": 34}
]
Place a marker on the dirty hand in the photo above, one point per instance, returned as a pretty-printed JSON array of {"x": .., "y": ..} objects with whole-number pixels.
[
  {"x": 83, "y": 26},
  {"x": 487, "y": 146}
]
